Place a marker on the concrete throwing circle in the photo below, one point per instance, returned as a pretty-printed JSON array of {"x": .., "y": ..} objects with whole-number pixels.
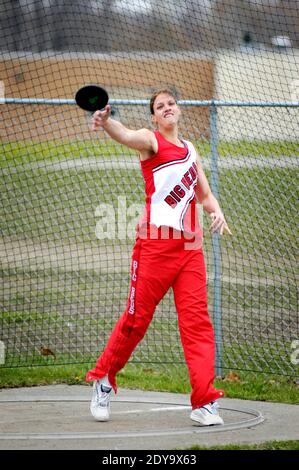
[{"x": 70, "y": 419}]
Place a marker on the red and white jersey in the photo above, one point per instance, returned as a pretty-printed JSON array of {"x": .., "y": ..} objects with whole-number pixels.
[{"x": 170, "y": 178}]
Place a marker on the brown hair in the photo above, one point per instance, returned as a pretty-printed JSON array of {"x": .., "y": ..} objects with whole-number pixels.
[{"x": 163, "y": 91}]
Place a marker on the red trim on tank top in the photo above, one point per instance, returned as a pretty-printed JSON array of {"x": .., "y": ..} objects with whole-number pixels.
[
  {"x": 155, "y": 158},
  {"x": 172, "y": 162}
]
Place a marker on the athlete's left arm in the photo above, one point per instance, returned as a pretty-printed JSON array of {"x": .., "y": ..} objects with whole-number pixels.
[{"x": 209, "y": 202}]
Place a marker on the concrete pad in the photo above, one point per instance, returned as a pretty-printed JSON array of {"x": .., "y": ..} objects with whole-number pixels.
[{"x": 58, "y": 417}]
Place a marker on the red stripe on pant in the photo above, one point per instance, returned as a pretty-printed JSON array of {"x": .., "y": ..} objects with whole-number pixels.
[{"x": 156, "y": 266}]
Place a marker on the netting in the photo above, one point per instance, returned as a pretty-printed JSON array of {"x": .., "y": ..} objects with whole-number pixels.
[{"x": 70, "y": 199}]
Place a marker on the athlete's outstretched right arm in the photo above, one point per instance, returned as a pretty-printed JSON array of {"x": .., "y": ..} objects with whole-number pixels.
[{"x": 142, "y": 139}]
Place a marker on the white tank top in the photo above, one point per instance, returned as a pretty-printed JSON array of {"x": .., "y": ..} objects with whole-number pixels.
[{"x": 170, "y": 178}]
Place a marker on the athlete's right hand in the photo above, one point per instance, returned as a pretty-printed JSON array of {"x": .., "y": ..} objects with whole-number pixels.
[{"x": 99, "y": 118}]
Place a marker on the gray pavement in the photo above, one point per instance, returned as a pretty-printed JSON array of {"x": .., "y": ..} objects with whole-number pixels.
[{"x": 57, "y": 417}]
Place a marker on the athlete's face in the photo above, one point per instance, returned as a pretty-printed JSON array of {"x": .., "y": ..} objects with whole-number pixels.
[{"x": 166, "y": 111}]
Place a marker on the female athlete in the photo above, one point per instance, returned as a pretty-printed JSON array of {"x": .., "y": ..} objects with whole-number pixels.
[{"x": 167, "y": 253}]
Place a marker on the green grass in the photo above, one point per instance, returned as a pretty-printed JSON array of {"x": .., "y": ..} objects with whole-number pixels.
[
  {"x": 270, "y": 445},
  {"x": 27, "y": 152},
  {"x": 57, "y": 209},
  {"x": 20, "y": 153},
  {"x": 254, "y": 148},
  {"x": 166, "y": 378},
  {"x": 60, "y": 205},
  {"x": 244, "y": 347},
  {"x": 44, "y": 375}
]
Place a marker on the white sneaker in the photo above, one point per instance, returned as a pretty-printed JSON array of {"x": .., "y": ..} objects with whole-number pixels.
[
  {"x": 100, "y": 402},
  {"x": 207, "y": 415}
]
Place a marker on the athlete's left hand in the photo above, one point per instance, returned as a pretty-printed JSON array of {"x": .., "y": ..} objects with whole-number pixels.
[{"x": 218, "y": 223}]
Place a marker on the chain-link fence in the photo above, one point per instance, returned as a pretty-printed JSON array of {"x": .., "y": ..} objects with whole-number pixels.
[
  {"x": 68, "y": 217},
  {"x": 70, "y": 199}
]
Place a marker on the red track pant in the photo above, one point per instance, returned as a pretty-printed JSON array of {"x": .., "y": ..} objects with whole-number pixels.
[{"x": 158, "y": 265}]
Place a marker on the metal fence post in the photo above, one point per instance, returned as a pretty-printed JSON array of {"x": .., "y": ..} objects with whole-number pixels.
[{"x": 216, "y": 240}]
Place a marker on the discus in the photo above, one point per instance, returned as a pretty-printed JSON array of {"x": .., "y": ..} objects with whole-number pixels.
[{"x": 91, "y": 98}]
